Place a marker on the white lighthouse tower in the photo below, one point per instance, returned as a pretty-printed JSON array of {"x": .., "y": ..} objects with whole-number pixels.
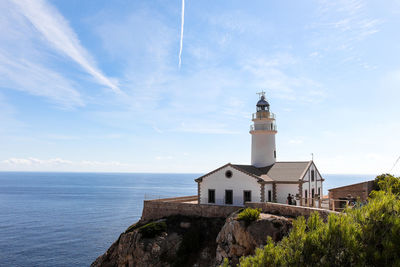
[{"x": 263, "y": 149}]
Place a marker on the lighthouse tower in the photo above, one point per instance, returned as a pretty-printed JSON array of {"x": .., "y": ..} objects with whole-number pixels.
[{"x": 263, "y": 150}]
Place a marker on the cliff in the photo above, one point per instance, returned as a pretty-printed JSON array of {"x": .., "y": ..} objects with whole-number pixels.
[{"x": 191, "y": 241}]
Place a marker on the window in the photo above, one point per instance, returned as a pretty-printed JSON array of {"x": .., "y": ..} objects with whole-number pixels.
[
  {"x": 211, "y": 195},
  {"x": 312, "y": 176},
  {"x": 274, "y": 153},
  {"x": 269, "y": 196},
  {"x": 319, "y": 191},
  {"x": 246, "y": 196},
  {"x": 228, "y": 197},
  {"x": 305, "y": 196},
  {"x": 228, "y": 174}
]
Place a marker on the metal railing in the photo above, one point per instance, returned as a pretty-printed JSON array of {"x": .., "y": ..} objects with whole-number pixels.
[
  {"x": 263, "y": 115},
  {"x": 269, "y": 127}
]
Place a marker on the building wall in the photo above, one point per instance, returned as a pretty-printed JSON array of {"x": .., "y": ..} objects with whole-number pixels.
[
  {"x": 156, "y": 209},
  {"x": 358, "y": 191},
  {"x": 237, "y": 183},
  {"x": 289, "y": 210},
  {"x": 282, "y": 191},
  {"x": 268, "y": 187},
  {"x": 310, "y": 185}
]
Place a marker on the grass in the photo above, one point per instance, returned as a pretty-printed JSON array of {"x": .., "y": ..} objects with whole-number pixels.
[
  {"x": 152, "y": 229},
  {"x": 249, "y": 215}
]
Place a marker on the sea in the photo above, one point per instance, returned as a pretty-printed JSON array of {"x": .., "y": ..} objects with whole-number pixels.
[{"x": 69, "y": 219}]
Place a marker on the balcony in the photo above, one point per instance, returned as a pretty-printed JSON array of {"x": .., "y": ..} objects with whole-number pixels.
[
  {"x": 263, "y": 115},
  {"x": 257, "y": 127}
]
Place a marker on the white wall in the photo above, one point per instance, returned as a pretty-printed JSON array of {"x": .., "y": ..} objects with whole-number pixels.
[
  {"x": 262, "y": 148},
  {"x": 268, "y": 187},
  {"x": 309, "y": 185},
  {"x": 237, "y": 183},
  {"x": 282, "y": 191}
]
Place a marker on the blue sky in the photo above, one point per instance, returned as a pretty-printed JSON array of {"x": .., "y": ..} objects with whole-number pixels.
[{"x": 97, "y": 86}]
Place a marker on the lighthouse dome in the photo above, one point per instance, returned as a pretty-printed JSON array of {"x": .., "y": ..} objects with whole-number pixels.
[{"x": 262, "y": 104}]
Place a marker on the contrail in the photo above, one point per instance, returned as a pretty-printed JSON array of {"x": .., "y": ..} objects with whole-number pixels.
[
  {"x": 394, "y": 165},
  {"x": 183, "y": 22}
]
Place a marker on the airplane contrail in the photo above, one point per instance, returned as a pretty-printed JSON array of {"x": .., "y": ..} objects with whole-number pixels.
[
  {"x": 394, "y": 165},
  {"x": 181, "y": 43}
]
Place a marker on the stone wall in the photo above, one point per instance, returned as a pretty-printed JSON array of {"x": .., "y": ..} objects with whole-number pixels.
[
  {"x": 288, "y": 210},
  {"x": 156, "y": 209},
  {"x": 339, "y": 195}
]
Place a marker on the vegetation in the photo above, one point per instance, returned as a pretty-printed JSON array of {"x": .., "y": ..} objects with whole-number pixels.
[
  {"x": 152, "y": 229},
  {"x": 364, "y": 236},
  {"x": 248, "y": 215}
]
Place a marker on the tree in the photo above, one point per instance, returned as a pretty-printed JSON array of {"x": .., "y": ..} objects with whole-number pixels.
[{"x": 364, "y": 236}]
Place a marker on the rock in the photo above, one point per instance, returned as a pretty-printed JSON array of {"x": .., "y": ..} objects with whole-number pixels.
[
  {"x": 186, "y": 241},
  {"x": 185, "y": 225},
  {"x": 191, "y": 241},
  {"x": 237, "y": 239}
]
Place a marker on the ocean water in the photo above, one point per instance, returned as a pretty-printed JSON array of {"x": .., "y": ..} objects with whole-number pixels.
[{"x": 69, "y": 219}]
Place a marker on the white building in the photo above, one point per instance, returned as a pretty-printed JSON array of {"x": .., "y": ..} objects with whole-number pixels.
[{"x": 265, "y": 180}]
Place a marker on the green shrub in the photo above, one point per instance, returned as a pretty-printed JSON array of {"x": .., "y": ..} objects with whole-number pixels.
[
  {"x": 367, "y": 236},
  {"x": 152, "y": 229},
  {"x": 248, "y": 215}
]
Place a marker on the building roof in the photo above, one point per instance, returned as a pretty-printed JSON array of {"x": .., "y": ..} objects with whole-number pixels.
[
  {"x": 279, "y": 172},
  {"x": 288, "y": 172},
  {"x": 369, "y": 183}
]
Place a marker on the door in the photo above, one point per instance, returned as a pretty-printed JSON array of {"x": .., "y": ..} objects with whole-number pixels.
[
  {"x": 228, "y": 197},
  {"x": 246, "y": 196}
]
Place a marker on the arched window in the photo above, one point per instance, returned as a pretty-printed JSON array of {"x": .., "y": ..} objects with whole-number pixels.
[{"x": 312, "y": 175}]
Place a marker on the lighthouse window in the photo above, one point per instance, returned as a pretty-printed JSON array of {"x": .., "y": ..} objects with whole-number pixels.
[
  {"x": 228, "y": 174},
  {"x": 312, "y": 176},
  {"x": 274, "y": 153}
]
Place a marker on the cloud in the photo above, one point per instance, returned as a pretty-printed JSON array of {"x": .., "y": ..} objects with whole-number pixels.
[
  {"x": 35, "y": 161},
  {"x": 24, "y": 75},
  {"x": 271, "y": 74},
  {"x": 58, "y": 161},
  {"x": 204, "y": 128},
  {"x": 55, "y": 29},
  {"x": 342, "y": 24},
  {"x": 296, "y": 141}
]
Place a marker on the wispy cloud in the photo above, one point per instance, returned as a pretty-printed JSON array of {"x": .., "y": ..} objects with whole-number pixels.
[
  {"x": 24, "y": 75},
  {"x": 346, "y": 22},
  {"x": 55, "y": 29},
  {"x": 181, "y": 40},
  {"x": 271, "y": 73},
  {"x": 31, "y": 161}
]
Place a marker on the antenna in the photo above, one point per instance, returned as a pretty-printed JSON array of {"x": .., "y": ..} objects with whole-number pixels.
[
  {"x": 260, "y": 94},
  {"x": 312, "y": 156},
  {"x": 394, "y": 165}
]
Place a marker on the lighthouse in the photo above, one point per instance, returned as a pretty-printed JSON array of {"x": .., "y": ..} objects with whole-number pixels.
[{"x": 263, "y": 131}]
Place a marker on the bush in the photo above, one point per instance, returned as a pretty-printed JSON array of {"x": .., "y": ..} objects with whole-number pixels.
[
  {"x": 368, "y": 236},
  {"x": 152, "y": 229},
  {"x": 248, "y": 215},
  {"x": 387, "y": 182}
]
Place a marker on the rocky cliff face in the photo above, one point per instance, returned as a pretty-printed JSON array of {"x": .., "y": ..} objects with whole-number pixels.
[
  {"x": 191, "y": 241},
  {"x": 237, "y": 239}
]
